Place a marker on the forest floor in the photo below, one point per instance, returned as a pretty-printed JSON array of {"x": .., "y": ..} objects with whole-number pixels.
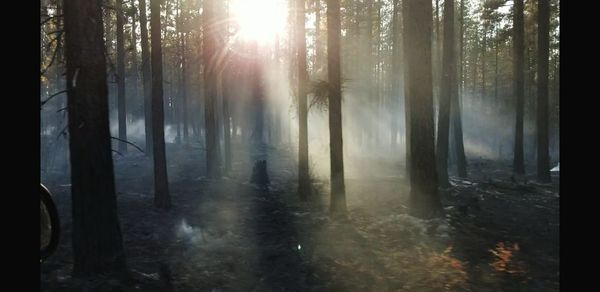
[{"x": 498, "y": 234}]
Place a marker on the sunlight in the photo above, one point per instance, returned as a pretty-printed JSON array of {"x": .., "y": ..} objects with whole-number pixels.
[{"x": 259, "y": 20}]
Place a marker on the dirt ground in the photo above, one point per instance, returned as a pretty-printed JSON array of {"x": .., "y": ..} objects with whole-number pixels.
[{"x": 498, "y": 233}]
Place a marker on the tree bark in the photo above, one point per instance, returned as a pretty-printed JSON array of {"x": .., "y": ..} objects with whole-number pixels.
[
  {"x": 338, "y": 191},
  {"x": 543, "y": 157},
  {"x": 424, "y": 198},
  {"x": 210, "y": 87},
  {"x": 122, "y": 111},
  {"x": 448, "y": 89},
  {"x": 147, "y": 78},
  {"x": 97, "y": 240},
  {"x": 162, "y": 198},
  {"x": 518, "y": 64}
]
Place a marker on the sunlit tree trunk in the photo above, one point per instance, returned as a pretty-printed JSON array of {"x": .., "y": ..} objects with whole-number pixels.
[
  {"x": 338, "y": 190},
  {"x": 147, "y": 78},
  {"x": 97, "y": 241},
  {"x": 424, "y": 198},
  {"x": 518, "y": 63},
  {"x": 162, "y": 198},
  {"x": 122, "y": 112},
  {"x": 303, "y": 178},
  {"x": 543, "y": 157}
]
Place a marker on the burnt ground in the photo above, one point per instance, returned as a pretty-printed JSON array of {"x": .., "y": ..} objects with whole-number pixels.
[{"x": 498, "y": 234}]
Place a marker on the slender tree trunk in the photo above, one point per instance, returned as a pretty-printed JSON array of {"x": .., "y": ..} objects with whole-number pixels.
[
  {"x": 122, "y": 111},
  {"x": 210, "y": 87},
  {"x": 303, "y": 178},
  {"x": 448, "y": 89},
  {"x": 162, "y": 198},
  {"x": 147, "y": 78},
  {"x": 338, "y": 191},
  {"x": 483, "y": 51},
  {"x": 424, "y": 197},
  {"x": 518, "y": 63},
  {"x": 184, "y": 102},
  {"x": 134, "y": 67},
  {"x": 543, "y": 157},
  {"x": 396, "y": 67},
  {"x": 456, "y": 108},
  {"x": 406, "y": 43},
  {"x": 97, "y": 240}
]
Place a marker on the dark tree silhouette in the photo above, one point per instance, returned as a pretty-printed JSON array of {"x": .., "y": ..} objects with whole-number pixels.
[
  {"x": 147, "y": 77},
  {"x": 424, "y": 198},
  {"x": 162, "y": 198},
  {"x": 97, "y": 241},
  {"x": 543, "y": 157},
  {"x": 210, "y": 86},
  {"x": 519, "y": 80},
  {"x": 122, "y": 110}
]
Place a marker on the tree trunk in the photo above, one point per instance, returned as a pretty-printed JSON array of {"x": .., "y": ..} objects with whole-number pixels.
[
  {"x": 303, "y": 178},
  {"x": 395, "y": 76},
  {"x": 210, "y": 87},
  {"x": 543, "y": 157},
  {"x": 518, "y": 63},
  {"x": 338, "y": 192},
  {"x": 184, "y": 102},
  {"x": 162, "y": 198},
  {"x": 97, "y": 240},
  {"x": 134, "y": 67},
  {"x": 456, "y": 108},
  {"x": 147, "y": 78},
  {"x": 448, "y": 89},
  {"x": 122, "y": 112},
  {"x": 424, "y": 198}
]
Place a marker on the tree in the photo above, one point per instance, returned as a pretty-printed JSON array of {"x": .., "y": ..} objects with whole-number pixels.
[
  {"x": 338, "y": 191},
  {"x": 424, "y": 198},
  {"x": 396, "y": 71},
  {"x": 162, "y": 198},
  {"x": 122, "y": 111},
  {"x": 449, "y": 89},
  {"x": 519, "y": 79},
  {"x": 210, "y": 86},
  {"x": 303, "y": 178},
  {"x": 543, "y": 157},
  {"x": 97, "y": 240},
  {"x": 147, "y": 78}
]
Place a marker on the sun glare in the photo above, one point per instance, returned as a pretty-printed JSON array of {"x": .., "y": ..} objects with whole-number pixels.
[{"x": 259, "y": 20}]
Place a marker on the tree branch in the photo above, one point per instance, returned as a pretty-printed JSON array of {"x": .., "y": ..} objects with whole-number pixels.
[
  {"x": 51, "y": 96},
  {"x": 125, "y": 141}
]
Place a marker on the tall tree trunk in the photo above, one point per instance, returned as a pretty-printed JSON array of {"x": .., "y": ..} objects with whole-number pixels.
[
  {"x": 122, "y": 112},
  {"x": 456, "y": 108},
  {"x": 184, "y": 102},
  {"x": 303, "y": 178},
  {"x": 543, "y": 157},
  {"x": 518, "y": 63},
  {"x": 147, "y": 78},
  {"x": 483, "y": 51},
  {"x": 97, "y": 240},
  {"x": 134, "y": 64},
  {"x": 338, "y": 190},
  {"x": 395, "y": 76},
  {"x": 424, "y": 198},
  {"x": 448, "y": 89},
  {"x": 406, "y": 43},
  {"x": 210, "y": 87},
  {"x": 162, "y": 198}
]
